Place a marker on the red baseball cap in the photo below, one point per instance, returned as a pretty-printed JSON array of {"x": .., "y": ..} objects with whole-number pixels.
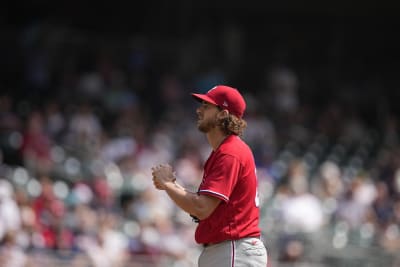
[{"x": 225, "y": 97}]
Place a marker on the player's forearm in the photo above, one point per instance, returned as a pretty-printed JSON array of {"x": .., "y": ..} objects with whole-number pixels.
[{"x": 190, "y": 202}]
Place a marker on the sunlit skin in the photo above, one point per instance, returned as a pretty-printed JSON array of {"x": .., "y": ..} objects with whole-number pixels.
[
  {"x": 207, "y": 117},
  {"x": 200, "y": 206}
]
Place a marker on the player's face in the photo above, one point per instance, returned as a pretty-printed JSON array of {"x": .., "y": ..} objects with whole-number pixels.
[{"x": 207, "y": 117}]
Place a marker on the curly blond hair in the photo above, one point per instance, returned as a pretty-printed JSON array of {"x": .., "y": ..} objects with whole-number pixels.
[{"x": 232, "y": 125}]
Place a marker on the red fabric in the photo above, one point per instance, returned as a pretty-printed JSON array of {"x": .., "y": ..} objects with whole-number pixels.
[
  {"x": 225, "y": 97},
  {"x": 230, "y": 175},
  {"x": 36, "y": 144}
]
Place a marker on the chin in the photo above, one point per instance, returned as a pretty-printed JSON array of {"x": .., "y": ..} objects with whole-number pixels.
[{"x": 202, "y": 128}]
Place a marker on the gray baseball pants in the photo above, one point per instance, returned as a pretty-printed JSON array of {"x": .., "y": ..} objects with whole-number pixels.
[{"x": 245, "y": 252}]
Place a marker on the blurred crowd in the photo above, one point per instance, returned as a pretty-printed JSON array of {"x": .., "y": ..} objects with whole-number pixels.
[{"x": 90, "y": 115}]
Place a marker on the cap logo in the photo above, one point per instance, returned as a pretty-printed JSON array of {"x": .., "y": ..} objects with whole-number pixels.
[{"x": 225, "y": 104}]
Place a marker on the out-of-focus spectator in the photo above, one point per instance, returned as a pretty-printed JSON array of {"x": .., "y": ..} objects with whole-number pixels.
[
  {"x": 9, "y": 121},
  {"x": 11, "y": 254},
  {"x": 28, "y": 229},
  {"x": 298, "y": 212},
  {"x": 330, "y": 121},
  {"x": 110, "y": 243},
  {"x": 382, "y": 205},
  {"x": 329, "y": 187},
  {"x": 301, "y": 210},
  {"x": 10, "y": 131},
  {"x": 351, "y": 208},
  {"x": 283, "y": 85},
  {"x": 84, "y": 130},
  {"x": 49, "y": 212},
  {"x": 391, "y": 131},
  {"x": 103, "y": 194},
  {"x": 260, "y": 133},
  {"x": 36, "y": 145},
  {"x": 55, "y": 121},
  {"x": 91, "y": 85},
  {"x": 116, "y": 149},
  {"x": 10, "y": 218}
]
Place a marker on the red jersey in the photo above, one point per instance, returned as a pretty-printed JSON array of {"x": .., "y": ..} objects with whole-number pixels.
[{"x": 230, "y": 175}]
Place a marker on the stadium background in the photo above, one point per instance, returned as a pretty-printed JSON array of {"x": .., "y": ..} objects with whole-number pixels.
[{"x": 93, "y": 95}]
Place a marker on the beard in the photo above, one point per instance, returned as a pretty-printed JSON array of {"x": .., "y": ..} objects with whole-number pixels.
[{"x": 207, "y": 125}]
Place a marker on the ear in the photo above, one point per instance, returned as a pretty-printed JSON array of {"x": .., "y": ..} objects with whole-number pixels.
[{"x": 223, "y": 114}]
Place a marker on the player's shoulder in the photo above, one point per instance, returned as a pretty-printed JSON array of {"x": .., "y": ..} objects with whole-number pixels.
[
  {"x": 234, "y": 140},
  {"x": 234, "y": 145}
]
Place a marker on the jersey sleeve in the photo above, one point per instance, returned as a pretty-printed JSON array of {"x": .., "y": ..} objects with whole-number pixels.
[{"x": 221, "y": 178}]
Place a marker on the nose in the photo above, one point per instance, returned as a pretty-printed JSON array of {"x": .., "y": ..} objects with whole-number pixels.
[{"x": 198, "y": 110}]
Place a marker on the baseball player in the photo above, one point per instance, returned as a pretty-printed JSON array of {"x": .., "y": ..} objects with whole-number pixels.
[{"x": 226, "y": 204}]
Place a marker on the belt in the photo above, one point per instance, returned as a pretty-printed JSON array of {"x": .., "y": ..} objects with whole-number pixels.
[{"x": 210, "y": 244}]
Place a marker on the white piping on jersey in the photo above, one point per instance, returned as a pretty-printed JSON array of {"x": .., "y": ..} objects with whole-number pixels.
[
  {"x": 233, "y": 253},
  {"x": 215, "y": 193}
]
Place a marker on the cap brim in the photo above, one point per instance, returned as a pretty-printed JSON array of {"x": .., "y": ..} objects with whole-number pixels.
[{"x": 201, "y": 97}]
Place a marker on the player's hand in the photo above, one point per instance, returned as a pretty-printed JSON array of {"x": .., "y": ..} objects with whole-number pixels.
[{"x": 162, "y": 174}]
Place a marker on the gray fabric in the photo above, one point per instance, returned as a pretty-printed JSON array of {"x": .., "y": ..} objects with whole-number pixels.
[{"x": 245, "y": 252}]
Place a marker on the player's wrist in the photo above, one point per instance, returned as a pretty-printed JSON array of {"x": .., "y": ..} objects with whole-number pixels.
[{"x": 170, "y": 185}]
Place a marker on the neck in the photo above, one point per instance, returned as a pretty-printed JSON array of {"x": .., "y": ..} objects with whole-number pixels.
[{"x": 215, "y": 138}]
